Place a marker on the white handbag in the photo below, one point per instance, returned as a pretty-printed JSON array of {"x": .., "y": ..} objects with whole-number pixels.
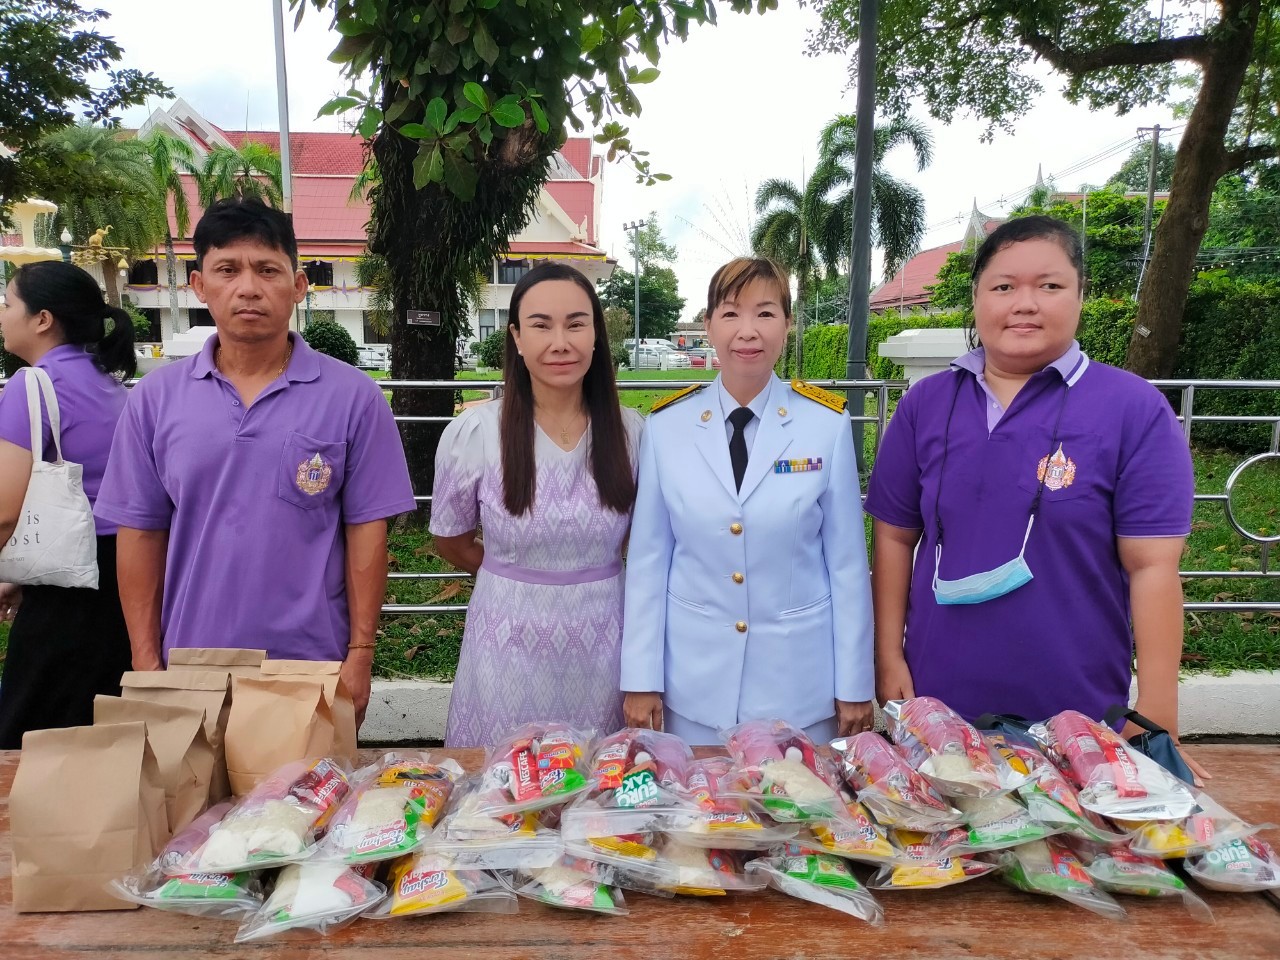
[{"x": 55, "y": 542}]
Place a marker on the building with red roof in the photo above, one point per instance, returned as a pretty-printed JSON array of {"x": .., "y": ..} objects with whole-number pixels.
[{"x": 330, "y": 226}]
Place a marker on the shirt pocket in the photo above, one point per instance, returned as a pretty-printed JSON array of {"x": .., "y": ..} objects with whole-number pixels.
[
  {"x": 804, "y": 608},
  {"x": 1073, "y": 469},
  {"x": 311, "y": 470},
  {"x": 690, "y": 605}
]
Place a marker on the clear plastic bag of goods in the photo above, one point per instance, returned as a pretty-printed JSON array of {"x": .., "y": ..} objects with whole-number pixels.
[
  {"x": 427, "y": 883},
  {"x": 804, "y": 873},
  {"x": 890, "y": 787},
  {"x": 495, "y": 841},
  {"x": 393, "y": 806},
  {"x": 721, "y": 816},
  {"x": 1245, "y": 865},
  {"x": 225, "y": 896},
  {"x": 317, "y": 897},
  {"x": 1117, "y": 869},
  {"x": 1114, "y": 779},
  {"x": 946, "y": 749},
  {"x": 636, "y": 782},
  {"x": 922, "y": 869},
  {"x": 537, "y": 766},
  {"x": 275, "y": 824},
  {"x": 783, "y": 771},
  {"x": 571, "y": 884},
  {"x": 1050, "y": 868}
]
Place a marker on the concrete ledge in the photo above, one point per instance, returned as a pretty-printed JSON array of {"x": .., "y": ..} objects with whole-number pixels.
[{"x": 1239, "y": 704}]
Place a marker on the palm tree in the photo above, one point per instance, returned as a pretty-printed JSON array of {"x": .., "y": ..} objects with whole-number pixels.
[
  {"x": 784, "y": 231},
  {"x": 170, "y": 158},
  {"x": 897, "y": 208},
  {"x": 102, "y": 179},
  {"x": 250, "y": 170}
]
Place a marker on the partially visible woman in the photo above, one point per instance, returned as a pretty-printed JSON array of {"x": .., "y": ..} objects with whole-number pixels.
[
  {"x": 1030, "y": 504},
  {"x": 66, "y": 645},
  {"x": 747, "y": 590},
  {"x": 548, "y": 474}
]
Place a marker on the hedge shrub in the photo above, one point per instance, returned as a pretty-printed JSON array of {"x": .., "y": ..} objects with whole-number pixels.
[
  {"x": 492, "y": 350},
  {"x": 331, "y": 338}
]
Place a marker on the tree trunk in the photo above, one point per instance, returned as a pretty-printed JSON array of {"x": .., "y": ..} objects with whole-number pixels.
[
  {"x": 1200, "y": 161},
  {"x": 109, "y": 281},
  {"x": 435, "y": 245},
  {"x": 171, "y": 265}
]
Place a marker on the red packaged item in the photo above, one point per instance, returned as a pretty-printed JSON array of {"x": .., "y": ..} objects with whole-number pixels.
[
  {"x": 723, "y": 818},
  {"x": 947, "y": 750},
  {"x": 1115, "y": 780},
  {"x": 886, "y": 784}
]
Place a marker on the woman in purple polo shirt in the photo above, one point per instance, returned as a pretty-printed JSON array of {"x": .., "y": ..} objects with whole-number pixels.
[
  {"x": 65, "y": 645},
  {"x": 548, "y": 472},
  {"x": 1030, "y": 505}
]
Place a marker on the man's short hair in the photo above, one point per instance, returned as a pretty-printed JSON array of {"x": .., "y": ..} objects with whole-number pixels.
[{"x": 242, "y": 218}]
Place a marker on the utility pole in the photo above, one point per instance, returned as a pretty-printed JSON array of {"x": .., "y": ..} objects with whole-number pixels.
[
  {"x": 1151, "y": 201},
  {"x": 282, "y": 102},
  {"x": 634, "y": 228}
]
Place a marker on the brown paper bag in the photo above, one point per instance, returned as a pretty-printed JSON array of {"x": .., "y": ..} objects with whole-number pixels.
[
  {"x": 237, "y": 662},
  {"x": 274, "y": 722},
  {"x": 181, "y": 747},
  {"x": 208, "y": 690},
  {"x": 335, "y": 692},
  {"x": 86, "y": 806}
]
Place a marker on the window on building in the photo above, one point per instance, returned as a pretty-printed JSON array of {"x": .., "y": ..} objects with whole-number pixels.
[
  {"x": 200, "y": 317},
  {"x": 319, "y": 273},
  {"x": 190, "y": 266},
  {"x": 491, "y": 320},
  {"x": 144, "y": 272},
  {"x": 510, "y": 271},
  {"x": 153, "y": 316},
  {"x": 371, "y": 333}
]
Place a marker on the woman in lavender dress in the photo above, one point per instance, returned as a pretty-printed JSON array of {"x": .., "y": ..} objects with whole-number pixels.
[{"x": 548, "y": 474}]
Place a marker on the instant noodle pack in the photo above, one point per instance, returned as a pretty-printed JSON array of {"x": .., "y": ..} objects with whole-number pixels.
[{"x": 1067, "y": 809}]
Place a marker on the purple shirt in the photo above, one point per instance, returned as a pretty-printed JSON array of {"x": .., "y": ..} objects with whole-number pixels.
[
  {"x": 89, "y": 402},
  {"x": 1063, "y": 640},
  {"x": 255, "y": 498}
]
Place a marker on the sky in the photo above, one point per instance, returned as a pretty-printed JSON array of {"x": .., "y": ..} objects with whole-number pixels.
[{"x": 736, "y": 104}]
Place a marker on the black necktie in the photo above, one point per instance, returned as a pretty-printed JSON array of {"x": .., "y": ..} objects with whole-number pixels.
[{"x": 738, "y": 443}]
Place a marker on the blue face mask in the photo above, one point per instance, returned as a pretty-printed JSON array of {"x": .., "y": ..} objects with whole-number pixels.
[{"x": 981, "y": 587}]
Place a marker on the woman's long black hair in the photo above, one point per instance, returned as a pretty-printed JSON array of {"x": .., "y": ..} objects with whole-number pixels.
[
  {"x": 74, "y": 300},
  {"x": 610, "y": 462}
]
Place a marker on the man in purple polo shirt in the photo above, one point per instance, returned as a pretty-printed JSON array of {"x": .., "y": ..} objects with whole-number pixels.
[
  {"x": 1029, "y": 504},
  {"x": 252, "y": 482}
]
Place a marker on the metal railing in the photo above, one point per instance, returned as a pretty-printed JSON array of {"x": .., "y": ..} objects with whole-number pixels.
[{"x": 885, "y": 393}]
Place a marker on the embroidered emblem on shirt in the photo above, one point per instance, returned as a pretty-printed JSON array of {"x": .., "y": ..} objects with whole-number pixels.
[
  {"x": 1057, "y": 471},
  {"x": 313, "y": 476},
  {"x": 808, "y": 465},
  {"x": 677, "y": 397}
]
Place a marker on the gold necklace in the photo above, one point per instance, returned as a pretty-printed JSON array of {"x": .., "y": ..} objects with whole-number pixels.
[
  {"x": 564, "y": 428},
  {"x": 288, "y": 353}
]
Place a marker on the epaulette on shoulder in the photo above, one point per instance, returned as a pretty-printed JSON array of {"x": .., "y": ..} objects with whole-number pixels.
[
  {"x": 825, "y": 397},
  {"x": 676, "y": 397}
]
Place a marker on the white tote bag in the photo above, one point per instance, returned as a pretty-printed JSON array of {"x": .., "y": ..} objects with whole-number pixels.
[{"x": 55, "y": 542}]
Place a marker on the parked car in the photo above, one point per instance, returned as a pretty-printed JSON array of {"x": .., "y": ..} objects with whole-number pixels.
[
  {"x": 657, "y": 358},
  {"x": 702, "y": 357},
  {"x": 373, "y": 356}
]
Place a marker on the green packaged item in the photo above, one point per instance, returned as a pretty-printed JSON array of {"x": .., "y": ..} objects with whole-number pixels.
[
  {"x": 1048, "y": 867},
  {"x": 1117, "y": 869},
  {"x": 820, "y": 878}
]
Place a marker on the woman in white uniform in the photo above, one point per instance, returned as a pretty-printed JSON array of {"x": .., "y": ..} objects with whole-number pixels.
[{"x": 747, "y": 592}]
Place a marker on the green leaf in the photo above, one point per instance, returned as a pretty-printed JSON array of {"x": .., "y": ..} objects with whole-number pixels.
[
  {"x": 487, "y": 4},
  {"x": 475, "y": 93},
  {"x": 348, "y": 49},
  {"x": 647, "y": 75},
  {"x": 662, "y": 176},
  {"x": 457, "y": 30},
  {"x": 507, "y": 113},
  {"x": 458, "y": 141},
  {"x": 452, "y": 122},
  {"x": 435, "y": 166},
  {"x": 415, "y": 131},
  {"x": 369, "y": 122},
  {"x": 539, "y": 116},
  {"x": 420, "y": 174},
  {"x": 484, "y": 43},
  {"x": 459, "y": 176},
  {"x": 592, "y": 37},
  {"x": 338, "y": 105},
  {"x": 437, "y": 110},
  {"x": 470, "y": 114},
  {"x": 352, "y": 28},
  {"x": 457, "y": 6},
  {"x": 484, "y": 130},
  {"x": 396, "y": 110},
  {"x": 625, "y": 19},
  {"x": 442, "y": 57}
]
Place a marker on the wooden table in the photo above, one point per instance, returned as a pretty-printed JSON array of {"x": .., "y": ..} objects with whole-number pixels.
[{"x": 978, "y": 919}]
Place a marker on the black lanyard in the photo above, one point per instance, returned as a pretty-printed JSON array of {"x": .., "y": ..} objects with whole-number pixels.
[{"x": 946, "y": 444}]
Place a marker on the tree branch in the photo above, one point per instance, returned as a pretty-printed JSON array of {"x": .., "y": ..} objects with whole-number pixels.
[
  {"x": 1244, "y": 156},
  {"x": 1147, "y": 53}
]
